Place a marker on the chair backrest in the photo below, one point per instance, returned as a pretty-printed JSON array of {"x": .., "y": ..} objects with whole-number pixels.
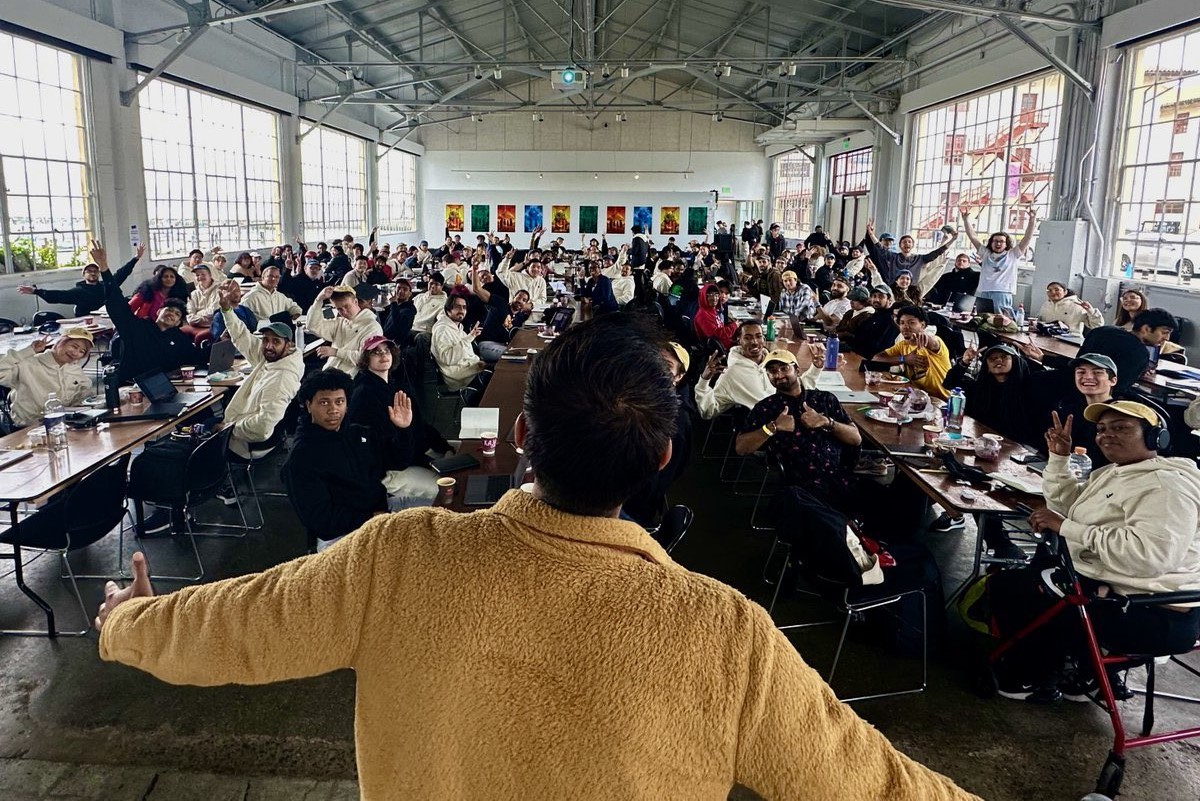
[
  {"x": 95, "y": 505},
  {"x": 43, "y": 317},
  {"x": 207, "y": 467}
]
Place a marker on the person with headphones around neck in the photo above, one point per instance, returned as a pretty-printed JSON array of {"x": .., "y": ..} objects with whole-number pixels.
[{"x": 1132, "y": 527}]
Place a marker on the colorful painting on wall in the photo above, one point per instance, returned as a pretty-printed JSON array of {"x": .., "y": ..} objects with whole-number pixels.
[
  {"x": 533, "y": 218},
  {"x": 615, "y": 220},
  {"x": 668, "y": 220},
  {"x": 697, "y": 220},
  {"x": 589, "y": 219},
  {"x": 454, "y": 217},
  {"x": 481, "y": 218},
  {"x": 644, "y": 216},
  {"x": 560, "y": 219},
  {"x": 506, "y": 219}
]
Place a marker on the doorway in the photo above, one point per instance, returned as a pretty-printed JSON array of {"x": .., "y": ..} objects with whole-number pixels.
[{"x": 852, "y": 218}]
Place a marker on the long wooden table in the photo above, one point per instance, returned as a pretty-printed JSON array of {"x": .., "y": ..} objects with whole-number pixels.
[{"x": 47, "y": 473}]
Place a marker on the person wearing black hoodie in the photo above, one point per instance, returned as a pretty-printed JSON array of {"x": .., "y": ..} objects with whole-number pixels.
[
  {"x": 88, "y": 294},
  {"x": 146, "y": 345},
  {"x": 333, "y": 476},
  {"x": 337, "y": 267}
]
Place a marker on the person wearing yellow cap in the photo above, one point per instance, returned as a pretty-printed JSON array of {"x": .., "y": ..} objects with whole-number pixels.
[
  {"x": 35, "y": 371},
  {"x": 1133, "y": 526}
]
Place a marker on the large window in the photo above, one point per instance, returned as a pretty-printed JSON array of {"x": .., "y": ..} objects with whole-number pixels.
[
  {"x": 791, "y": 206},
  {"x": 334, "y": 174},
  {"x": 397, "y": 191},
  {"x": 1158, "y": 206},
  {"x": 44, "y": 143},
  {"x": 851, "y": 172},
  {"x": 212, "y": 171},
  {"x": 992, "y": 153}
]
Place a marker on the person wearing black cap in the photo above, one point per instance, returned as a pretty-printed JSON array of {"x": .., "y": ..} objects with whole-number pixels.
[
  {"x": 303, "y": 283},
  {"x": 878, "y": 331},
  {"x": 904, "y": 290}
]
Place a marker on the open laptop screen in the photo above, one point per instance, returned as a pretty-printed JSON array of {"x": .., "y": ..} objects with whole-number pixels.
[{"x": 157, "y": 386}]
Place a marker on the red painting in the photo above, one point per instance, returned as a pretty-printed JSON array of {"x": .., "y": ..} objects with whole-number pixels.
[{"x": 506, "y": 219}]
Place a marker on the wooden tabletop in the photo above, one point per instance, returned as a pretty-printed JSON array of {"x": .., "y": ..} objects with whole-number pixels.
[{"x": 47, "y": 472}]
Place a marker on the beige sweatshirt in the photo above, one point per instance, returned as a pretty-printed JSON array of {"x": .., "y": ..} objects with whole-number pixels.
[
  {"x": 33, "y": 376},
  {"x": 429, "y": 306},
  {"x": 345, "y": 336},
  {"x": 267, "y": 302},
  {"x": 1070, "y": 311},
  {"x": 260, "y": 402},
  {"x": 452, "y": 350},
  {"x": 202, "y": 305},
  {"x": 524, "y": 653}
]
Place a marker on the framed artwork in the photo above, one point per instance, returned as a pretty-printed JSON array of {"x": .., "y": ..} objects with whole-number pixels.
[
  {"x": 589, "y": 219},
  {"x": 560, "y": 219},
  {"x": 697, "y": 220},
  {"x": 454, "y": 218},
  {"x": 668, "y": 220},
  {"x": 614, "y": 220},
  {"x": 481, "y": 218},
  {"x": 533, "y": 218},
  {"x": 506, "y": 219},
  {"x": 644, "y": 216}
]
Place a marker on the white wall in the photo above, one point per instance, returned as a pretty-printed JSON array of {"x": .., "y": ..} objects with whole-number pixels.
[{"x": 512, "y": 177}]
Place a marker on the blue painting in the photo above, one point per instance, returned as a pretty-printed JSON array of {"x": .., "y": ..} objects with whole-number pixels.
[
  {"x": 533, "y": 218},
  {"x": 643, "y": 216}
]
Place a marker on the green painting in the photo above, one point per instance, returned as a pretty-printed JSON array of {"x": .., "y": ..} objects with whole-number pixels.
[
  {"x": 481, "y": 218},
  {"x": 697, "y": 220},
  {"x": 589, "y": 219}
]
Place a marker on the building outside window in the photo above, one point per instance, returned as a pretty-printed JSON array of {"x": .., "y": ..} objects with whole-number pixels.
[
  {"x": 212, "y": 172},
  {"x": 397, "y": 191},
  {"x": 333, "y": 173},
  {"x": 1157, "y": 214},
  {"x": 46, "y": 178},
  {"x": 851, "y": 172},
  {"x": 791, "y": 204},
  {"x": 993, "y": 153}
]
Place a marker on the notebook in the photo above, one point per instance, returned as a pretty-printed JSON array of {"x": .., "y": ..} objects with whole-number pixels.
[{"x": 475, "y": 422}]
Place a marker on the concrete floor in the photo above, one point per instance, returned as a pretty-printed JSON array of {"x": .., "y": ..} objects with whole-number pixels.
[{"x": 72, "y": 727}]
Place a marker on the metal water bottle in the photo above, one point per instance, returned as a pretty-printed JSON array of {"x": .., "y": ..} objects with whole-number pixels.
[
  {"x": 770, "y": 333},
  {"x": 956, "y": 408},
  {"x": 112, "y": 389}
]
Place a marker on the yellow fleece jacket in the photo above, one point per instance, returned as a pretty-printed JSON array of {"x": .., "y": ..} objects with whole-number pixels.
[{"x": 521, "y": 653}]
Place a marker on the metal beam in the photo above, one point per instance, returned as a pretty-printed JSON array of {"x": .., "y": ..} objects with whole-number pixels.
[
  {"x": 129, "y": 95},
  {"x": 1066, "y": 69},
  {"x": 267, "y": 11},
  {"x": 546, "y": 22},
  {"x": 636, "y": 22},
  {"x": 990, "y": 13},
  {"x": 300, "y": 136},
  {"x": 886, "y": 128}
]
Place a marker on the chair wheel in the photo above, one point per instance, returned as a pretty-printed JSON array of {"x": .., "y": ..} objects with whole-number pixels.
[{"x": 1111, "y": 775}]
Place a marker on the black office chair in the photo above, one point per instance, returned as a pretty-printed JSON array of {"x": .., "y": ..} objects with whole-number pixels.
[
  {"x": 674, "y": 526},
  {"x": 43, "y": 317},
  {"x": 76, "y": 518}
]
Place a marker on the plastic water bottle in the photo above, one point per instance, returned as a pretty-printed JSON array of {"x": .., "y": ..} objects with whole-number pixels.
[
  {"x": 1079, "y": 464},
  {"x": 831, "y": 352},
  {"x": 956, "y": 409},
  {"x": 1020, "y": 318},
  {"x": 54, "y": 417}
]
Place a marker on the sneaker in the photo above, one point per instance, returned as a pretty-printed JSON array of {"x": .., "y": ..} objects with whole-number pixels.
[
  {"x": 157, "y": 524},
  {"x": 1084, "y": 687},
  {"x": 945, "y": 522},
  {"x": 227, "y": 495},
  {"x": 1030, "y": 693}
]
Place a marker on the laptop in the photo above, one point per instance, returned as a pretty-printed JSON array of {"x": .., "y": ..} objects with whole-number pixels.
[
  {"x": 221, "y": 357},
  {"x": 984, "y": 306},
  {"x": 561, "y": 318},
  {"x": 963, "y": 303},
  {"x": 487, "y": 488},
  {"x": 8, "y": 457},
  {"x": 165, "y": 402}
]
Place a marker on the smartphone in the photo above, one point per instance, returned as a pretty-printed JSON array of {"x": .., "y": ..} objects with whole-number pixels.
[{"x": 1025, "y": 458}]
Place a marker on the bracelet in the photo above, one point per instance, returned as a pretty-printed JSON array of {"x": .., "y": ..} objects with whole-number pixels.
[{"x": 770, "y": 432}]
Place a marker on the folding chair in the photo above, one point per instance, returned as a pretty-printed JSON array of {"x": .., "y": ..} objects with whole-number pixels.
[{"x": 1072, "y": 596}]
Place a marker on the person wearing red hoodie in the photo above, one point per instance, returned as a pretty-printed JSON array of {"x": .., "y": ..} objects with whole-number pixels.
[{"x": 707, "y": 323}]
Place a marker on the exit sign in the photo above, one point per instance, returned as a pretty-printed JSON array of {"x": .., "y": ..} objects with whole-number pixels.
[{"x": 725, "y": 190}]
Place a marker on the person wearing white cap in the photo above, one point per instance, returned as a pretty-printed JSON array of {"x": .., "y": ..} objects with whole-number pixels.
[
  {"x": 1132, "y": 527},
  {"x": 35, "y": 371}
]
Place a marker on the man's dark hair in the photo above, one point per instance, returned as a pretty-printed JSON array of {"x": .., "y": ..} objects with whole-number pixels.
[
  {"x": 600, "y": 410},
  {"x": 737, "y": 332},
  {"x": 637, "y": 229},
  {"x": 321, "y": 381},
  {"x": 194, "y": 251},
  {"x": 322, "y": 245},
  {"x": 453, "y": 296},
  {"x": 361, "y": 257},
  {"x": 913, "y": 311},
  {"x": 1155, "y": 318},
  {"x": 176, "y": 304}
]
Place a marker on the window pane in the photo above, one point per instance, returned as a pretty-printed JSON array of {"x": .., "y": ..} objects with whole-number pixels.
[
  {"x": 993, "y": 153},
  {"x": 43, "y": 141},
  {"x": 792, "y": 204},
  {"x": 334, "y": 184},
  {"x": 397, "y": 191},
  {"x": 1158, "y": 209},
  {"x": 196, "y": 149}
]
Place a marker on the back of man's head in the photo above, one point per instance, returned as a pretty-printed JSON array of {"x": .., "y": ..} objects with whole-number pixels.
[
  {"x": 1154, "y": 318},
  {"x": 600, "y": 413}
]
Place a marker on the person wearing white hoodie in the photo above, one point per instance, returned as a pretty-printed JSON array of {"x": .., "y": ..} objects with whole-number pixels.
[
  {"x": 453, "y": 348},
  {"x": 1132, "y": 527},
  {"x": 347, "y": 331},
  {"x": 744, "y": 381},
  {"x": 33, "y": 372},
  {"x": 1064, "y": 306}
]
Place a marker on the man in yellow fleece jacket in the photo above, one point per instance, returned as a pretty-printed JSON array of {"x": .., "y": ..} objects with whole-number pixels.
[{"x": 544, "y": 648}]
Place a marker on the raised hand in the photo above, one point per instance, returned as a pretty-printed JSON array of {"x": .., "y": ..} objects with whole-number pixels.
[
  {"x": 141, "y": 251},
  {"x": 325, "y": 351},
  {"x": 713, "y": 367},
  {"x": 476, "y": 330},
  {"x": 25, "y": 290},
  {"x": 871, "y": 227},
  {"x": 225, "y": 293},
  {"x": 1058, "y": 437},
  {"x": 812, "y": 419},
  {"x": 400, "y": 412},
  {"x": 40, "y": 344},
  {"x": 785, "y": 422},
  {"x": 325, "y": 293},
  {"x": 114, "y": 596},
  {"x": 98, "y": 254},
  {"x": 970, "y": 355},
  {"x": 1030, "y": 350}
]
